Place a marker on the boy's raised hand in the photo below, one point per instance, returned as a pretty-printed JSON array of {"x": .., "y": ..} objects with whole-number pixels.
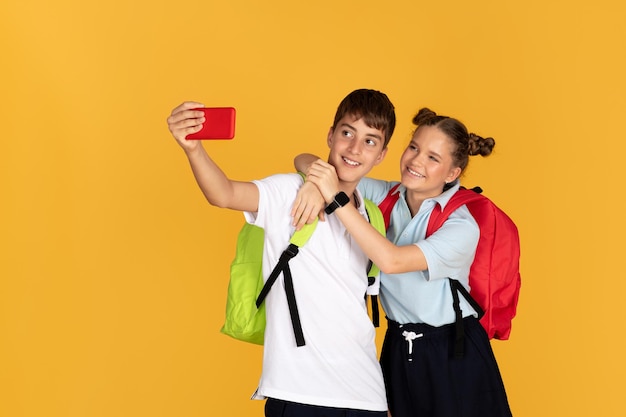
[{"x": 184, "y": 121}]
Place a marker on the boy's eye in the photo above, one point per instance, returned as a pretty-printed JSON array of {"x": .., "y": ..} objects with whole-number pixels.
[
  {"x": 370, "y": 142},
  {"x": 347, "y": 133}
]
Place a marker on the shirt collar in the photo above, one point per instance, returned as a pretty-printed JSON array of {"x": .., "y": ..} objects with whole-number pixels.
[
  {"x": 442, "y": 199},
  {"x": 359, "y": 200}
]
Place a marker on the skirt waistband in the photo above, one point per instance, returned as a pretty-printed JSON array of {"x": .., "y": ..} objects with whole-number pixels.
[{"x": 423, "y": 329}]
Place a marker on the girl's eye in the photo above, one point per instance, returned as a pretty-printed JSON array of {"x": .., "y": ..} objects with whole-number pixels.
[{"x": 432, "y": 158}]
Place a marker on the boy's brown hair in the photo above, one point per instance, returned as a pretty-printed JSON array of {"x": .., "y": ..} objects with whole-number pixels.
[{"x": 373, "y": 107}]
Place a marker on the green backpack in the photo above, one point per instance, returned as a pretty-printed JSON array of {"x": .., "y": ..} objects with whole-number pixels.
[{"x": 245, "y": 310}]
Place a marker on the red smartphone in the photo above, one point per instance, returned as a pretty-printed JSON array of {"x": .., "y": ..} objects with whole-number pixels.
[{"x": 219, "y": 124}]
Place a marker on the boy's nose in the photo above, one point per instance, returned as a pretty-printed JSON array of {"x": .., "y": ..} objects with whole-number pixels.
[{"x": 355, "y": 148}]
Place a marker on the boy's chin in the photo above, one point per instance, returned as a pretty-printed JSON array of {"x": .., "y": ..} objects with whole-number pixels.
[{"x": 350, "y": 179}]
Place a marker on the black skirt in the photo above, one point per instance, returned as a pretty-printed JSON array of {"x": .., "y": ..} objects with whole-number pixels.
[{"x": 424, "y": 377}]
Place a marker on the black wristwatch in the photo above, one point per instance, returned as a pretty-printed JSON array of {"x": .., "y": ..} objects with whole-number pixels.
[{"x": 340, "y": 200}]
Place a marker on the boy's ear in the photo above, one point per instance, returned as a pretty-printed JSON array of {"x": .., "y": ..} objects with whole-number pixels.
[
  {"x": 381, "y": 156},
  {"x": 329, "y": 139}
]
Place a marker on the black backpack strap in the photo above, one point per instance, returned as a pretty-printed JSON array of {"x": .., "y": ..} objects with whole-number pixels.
[
  {"x": 460, "y": 288},
  {"x": 373, "y": 299},
  {"x": 375, "y": 312},
  {"x": 456, "y": 287},
  {"x": 290, "y": 252},
  {"x": 293, "y": 307},
  {"x": 459, "y": 333},
  {"x": 283, "y": 267}
]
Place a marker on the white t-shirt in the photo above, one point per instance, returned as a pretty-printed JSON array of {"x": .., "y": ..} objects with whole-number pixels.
[{"x": 338, "y": 366}]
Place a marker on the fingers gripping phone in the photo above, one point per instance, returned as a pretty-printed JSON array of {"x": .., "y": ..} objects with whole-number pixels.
[{"x": 219, "y": 124}]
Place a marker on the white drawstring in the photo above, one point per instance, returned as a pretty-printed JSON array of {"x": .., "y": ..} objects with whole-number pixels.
[{"x": 409, "y": 337}]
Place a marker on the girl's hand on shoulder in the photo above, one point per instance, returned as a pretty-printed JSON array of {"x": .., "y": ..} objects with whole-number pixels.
[
  {"x": 324, "y": 175},
  {"x": 308, "y": 205}
]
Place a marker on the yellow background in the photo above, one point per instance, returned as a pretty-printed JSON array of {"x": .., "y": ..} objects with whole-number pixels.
[{"x": 113, "y": 269}]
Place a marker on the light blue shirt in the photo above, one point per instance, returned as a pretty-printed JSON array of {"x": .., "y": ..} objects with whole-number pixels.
[{"x": 425, "y": 296}]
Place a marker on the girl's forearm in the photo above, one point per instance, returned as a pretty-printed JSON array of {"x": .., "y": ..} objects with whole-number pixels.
[
  {"x": 303, "y": 161},
  {"x": 391, "y": 259}
]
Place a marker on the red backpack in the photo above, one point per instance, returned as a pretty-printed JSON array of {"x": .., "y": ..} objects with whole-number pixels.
[{"x": 494, "y": 275}]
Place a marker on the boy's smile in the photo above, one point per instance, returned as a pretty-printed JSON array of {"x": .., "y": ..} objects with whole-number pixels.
[
  {"x": 350, "y": 162},
  {"x": 355, "y": 148}
]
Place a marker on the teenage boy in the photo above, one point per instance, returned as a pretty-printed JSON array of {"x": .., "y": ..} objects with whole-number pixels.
[{"x": 336, "y": 373}]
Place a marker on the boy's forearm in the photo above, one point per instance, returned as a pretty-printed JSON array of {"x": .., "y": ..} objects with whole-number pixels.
[
  {"x": 210, "y": 178},
  {"x": 219, "y": 190}
]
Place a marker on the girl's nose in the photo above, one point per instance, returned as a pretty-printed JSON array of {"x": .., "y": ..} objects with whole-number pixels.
[{"x": 416, "y": 160}]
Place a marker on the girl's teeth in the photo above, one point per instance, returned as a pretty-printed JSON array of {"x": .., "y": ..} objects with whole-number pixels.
[{"x": 414, "y": 173}]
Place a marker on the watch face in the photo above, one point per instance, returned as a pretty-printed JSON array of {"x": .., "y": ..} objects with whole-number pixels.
[{"x": 342, "y": 198}]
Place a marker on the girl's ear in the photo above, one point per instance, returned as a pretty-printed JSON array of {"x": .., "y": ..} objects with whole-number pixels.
[{"x": 453, "y": 175}]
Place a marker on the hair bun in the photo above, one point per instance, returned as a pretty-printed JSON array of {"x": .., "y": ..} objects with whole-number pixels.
[
  {"x": 480, "y": 146},
  {"x": 423, "y": 115}
]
